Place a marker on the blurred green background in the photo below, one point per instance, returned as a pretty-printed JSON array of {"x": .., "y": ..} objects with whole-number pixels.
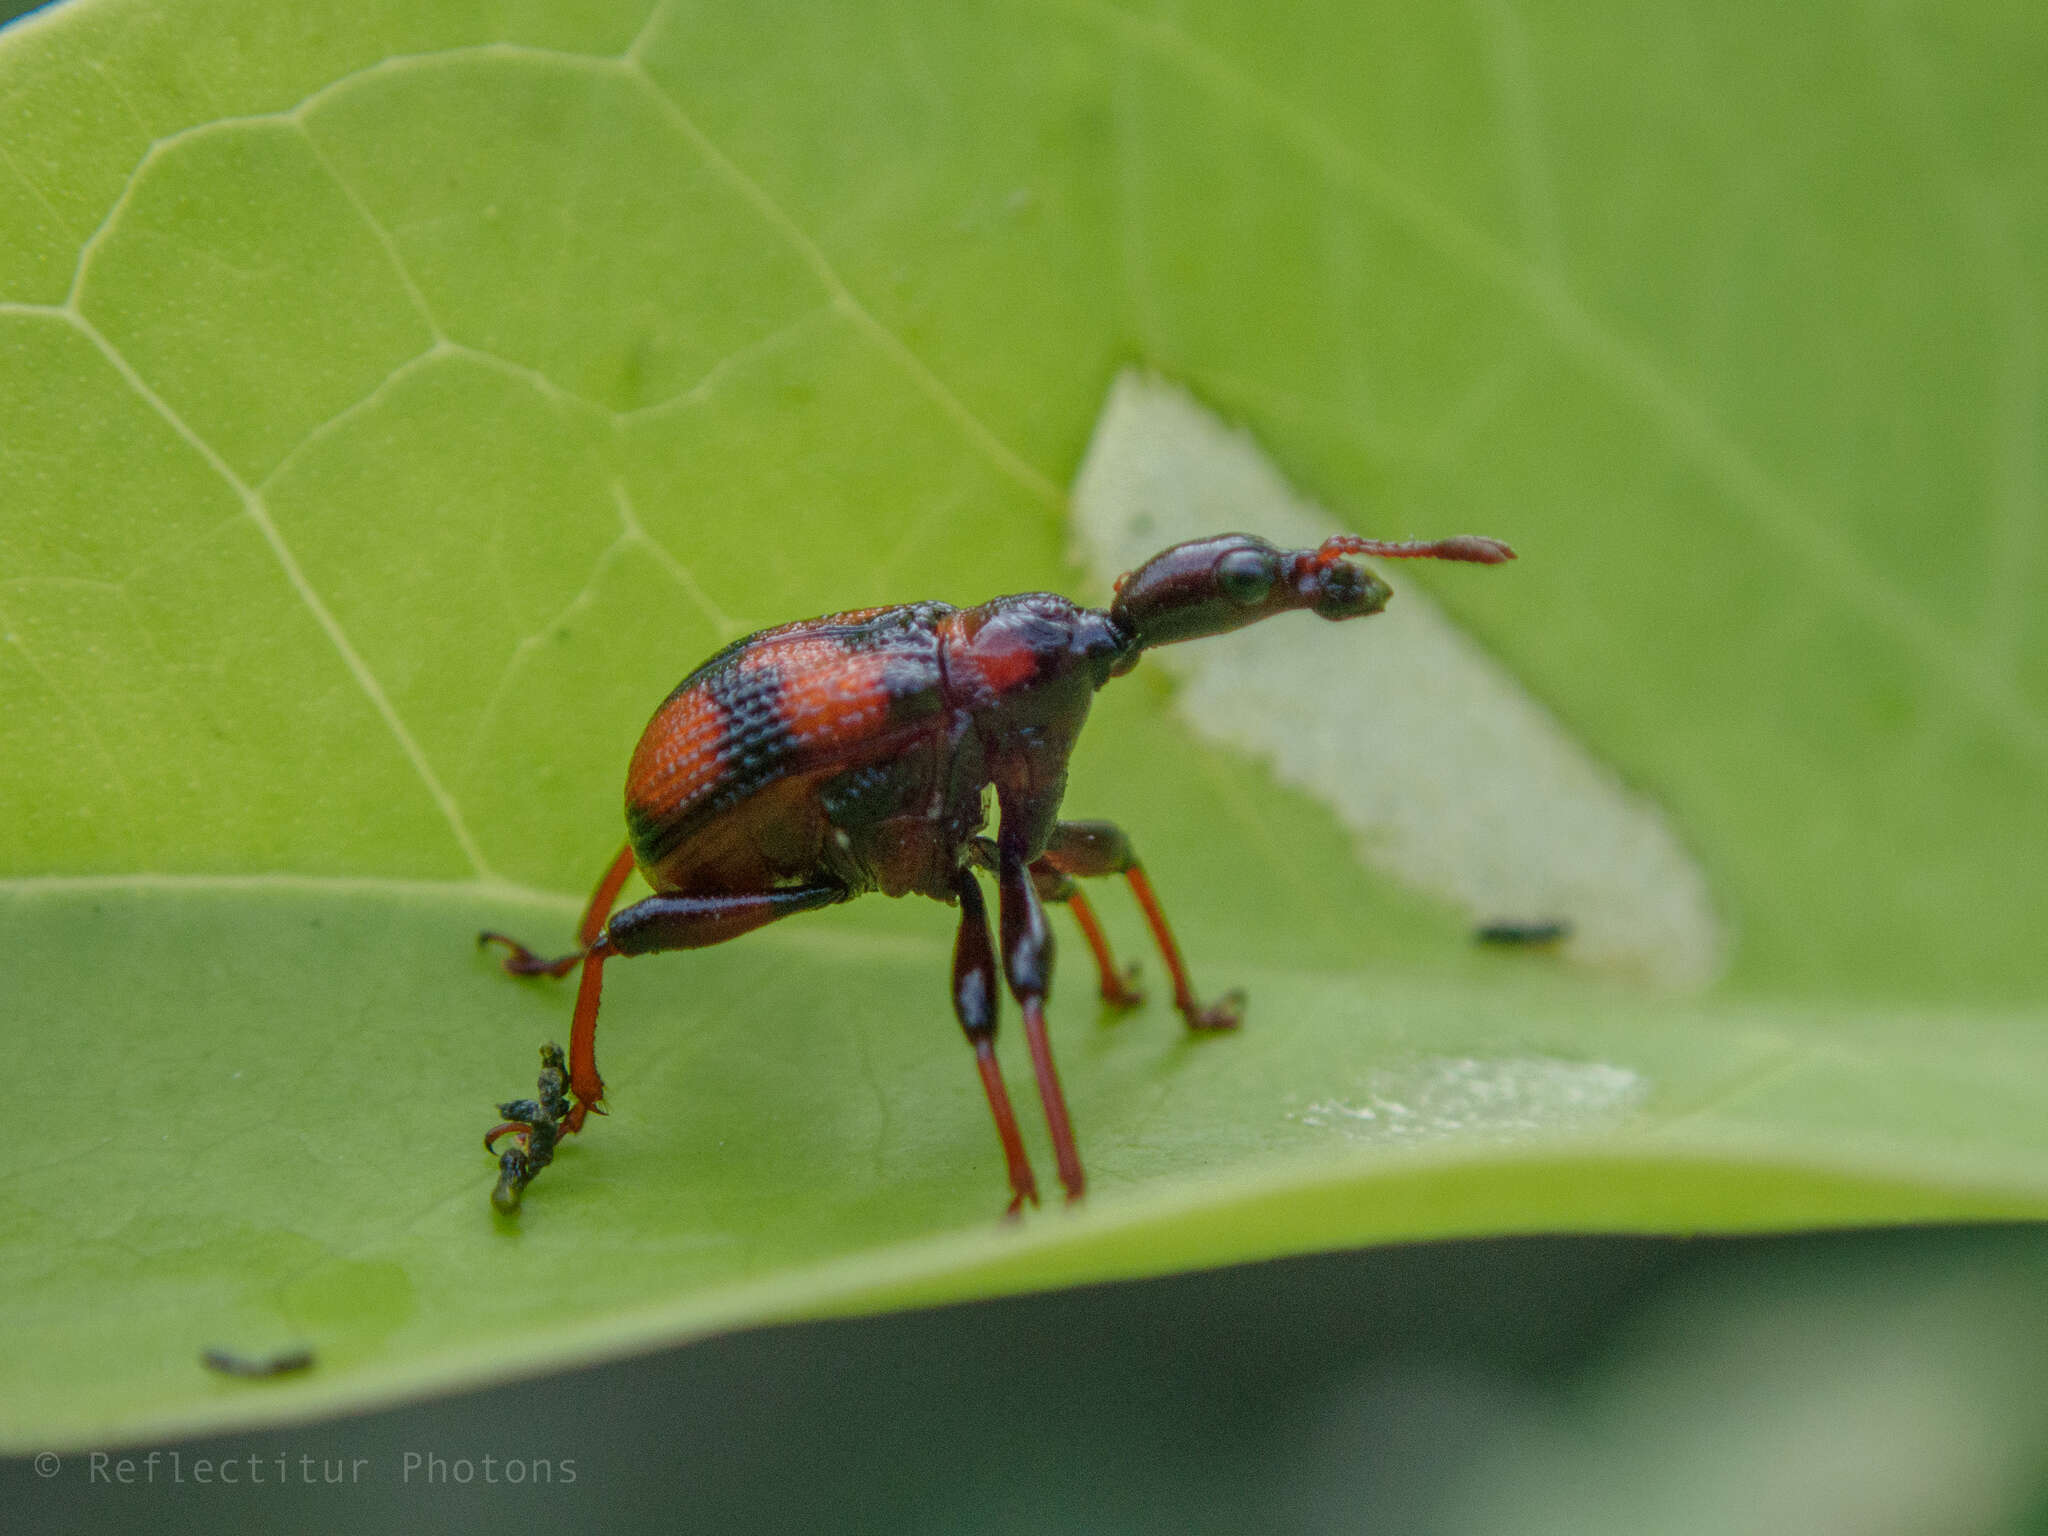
[{"x": 1845, "y": 1383}]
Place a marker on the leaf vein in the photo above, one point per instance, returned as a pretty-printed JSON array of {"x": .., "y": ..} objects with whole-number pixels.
[
  {"x": 1514, "y": 77},
  {"x": 12, "y": 636},
  {"x": 259, "y": 514},
  {"x": 323, "y": 430},
  {"x": 377, "y": 230},
  {"x": 2012, "y": 547},
  {"x": 528, "y": 644},
  {"x": 920, "y": 373},
  {"x": 34, "y": 191},
  {"x": 636, "y": 533}
]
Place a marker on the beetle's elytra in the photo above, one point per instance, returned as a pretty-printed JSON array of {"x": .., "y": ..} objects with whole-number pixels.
[{"x": 818, "y": 761}]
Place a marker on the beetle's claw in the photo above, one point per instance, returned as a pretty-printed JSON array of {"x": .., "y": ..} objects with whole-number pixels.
[
  {"x": 538, "y": 1124},
  {"x": 521, "y": 961},
  {"x": 1014, "y": 1211},
  {"x": 1227, "y": 1012},
  {"x": 1122, "y": 992},
  {"x": 519, "y": 1165}
]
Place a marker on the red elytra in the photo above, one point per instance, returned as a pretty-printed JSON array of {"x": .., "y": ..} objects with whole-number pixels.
[{"x": 818, "y": 761}]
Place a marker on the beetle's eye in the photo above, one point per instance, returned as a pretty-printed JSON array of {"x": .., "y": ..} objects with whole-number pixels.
[{"x": 1247, "y": 575}]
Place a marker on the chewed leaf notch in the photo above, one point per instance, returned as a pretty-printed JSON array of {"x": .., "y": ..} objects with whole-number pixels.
[{"x": 1447, "y": 772}]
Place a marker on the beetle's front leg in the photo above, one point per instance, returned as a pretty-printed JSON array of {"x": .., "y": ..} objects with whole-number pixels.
[
  {"x": 1027, "y": 962},
  {"x": 975, "y": 997}
]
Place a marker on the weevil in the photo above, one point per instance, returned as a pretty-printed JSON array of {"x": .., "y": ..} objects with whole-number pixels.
[{"x": 805, "y": 765}]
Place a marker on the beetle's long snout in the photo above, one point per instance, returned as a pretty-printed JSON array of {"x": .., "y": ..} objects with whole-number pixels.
[{"x": 1212, "y": 586}]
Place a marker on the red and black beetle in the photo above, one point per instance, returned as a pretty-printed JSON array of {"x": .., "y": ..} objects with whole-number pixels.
[{"x": 812, "y": 763}]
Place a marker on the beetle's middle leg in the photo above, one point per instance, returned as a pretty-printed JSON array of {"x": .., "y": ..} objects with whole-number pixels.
[
  {"x": 1087, "y": 848},
  {"x": 1118, "y": 986},
  {"x": 661, "y": 922}
]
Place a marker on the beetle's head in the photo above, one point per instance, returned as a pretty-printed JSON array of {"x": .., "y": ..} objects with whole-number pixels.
[{"x": 1212, "y": 586}]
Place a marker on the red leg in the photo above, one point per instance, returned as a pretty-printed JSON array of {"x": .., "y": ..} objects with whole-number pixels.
[
  {"x": 602, "y": 898},
  {"x": 524, "y": 962},
  {"x": 1023, "y": 1183},
  {"x": 1088, "y": 848},
  {"x": 1119, "y": 988},
  {"x": 1064, "y": 1150},
  {"x": 584, "y": 1081},
  {"x": 1027, "y": 962},
  {"x": 569, "y": 1091},
  {"x": 1228, "y": 1011}
]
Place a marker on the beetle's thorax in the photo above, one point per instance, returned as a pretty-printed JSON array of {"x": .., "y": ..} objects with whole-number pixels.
[
  {"x": 1035, "y": 647},
  {"x": 1020, "y": 673}
]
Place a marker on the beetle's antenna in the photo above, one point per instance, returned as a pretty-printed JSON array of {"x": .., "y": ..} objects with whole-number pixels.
[{"x": 1471, "y": 547}]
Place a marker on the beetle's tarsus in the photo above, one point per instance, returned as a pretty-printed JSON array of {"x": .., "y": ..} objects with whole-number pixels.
[
  {"x": 1226, "y": 1013},
  {"x": 1120, "y": 990},
  {"x": 503, "y": 1129},
  {"x": 521, "y": 961}
]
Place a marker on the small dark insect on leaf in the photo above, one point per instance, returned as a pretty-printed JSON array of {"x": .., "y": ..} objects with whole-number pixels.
[
  {"x": 255, "y": 1367},
  {"x": 1523, "y": 935}
]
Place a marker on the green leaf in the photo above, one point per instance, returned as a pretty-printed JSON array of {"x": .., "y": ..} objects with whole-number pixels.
[{"x": 393, "y": 405}]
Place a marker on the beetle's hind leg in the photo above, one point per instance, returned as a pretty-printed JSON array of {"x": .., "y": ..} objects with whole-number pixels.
[
  {"x": 660, "y": 922},
  {"x": 538, "y": 1123},
  {"x": 565, "y": 1095},
  {"x": 521, "y": 961}
]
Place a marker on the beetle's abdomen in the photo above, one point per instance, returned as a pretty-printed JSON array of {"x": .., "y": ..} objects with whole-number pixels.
[{"x": 783, "y": 710}]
